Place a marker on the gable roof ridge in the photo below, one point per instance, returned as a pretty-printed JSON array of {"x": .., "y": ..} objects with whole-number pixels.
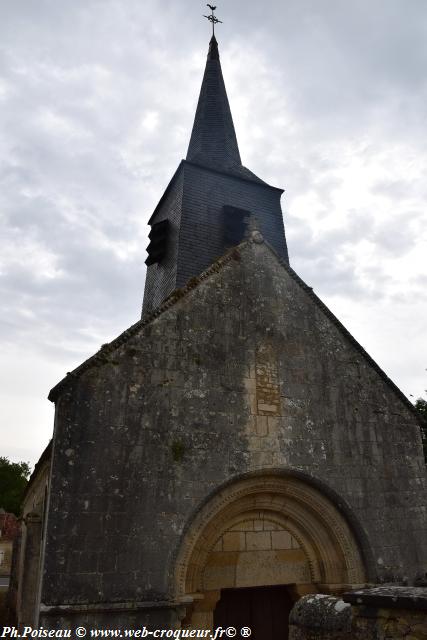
[
  {"x": 100, "y": 357},
  {"x": 232, "y": 254}
]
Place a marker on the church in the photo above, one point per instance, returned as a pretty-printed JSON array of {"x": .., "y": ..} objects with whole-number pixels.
[{"x": 233, "y": 450}]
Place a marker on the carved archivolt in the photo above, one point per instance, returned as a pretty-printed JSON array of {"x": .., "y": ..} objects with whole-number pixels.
[{"x": 321, "y": 530}]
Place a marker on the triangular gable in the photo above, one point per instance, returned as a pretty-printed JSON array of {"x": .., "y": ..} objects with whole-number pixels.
[{"x": 235, "y": 253}]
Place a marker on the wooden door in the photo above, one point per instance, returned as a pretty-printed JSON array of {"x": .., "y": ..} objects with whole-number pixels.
[{"x": 265, "y": 610}]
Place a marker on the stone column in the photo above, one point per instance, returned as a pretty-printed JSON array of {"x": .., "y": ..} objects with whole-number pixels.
[{"x": 320, "y": 617}]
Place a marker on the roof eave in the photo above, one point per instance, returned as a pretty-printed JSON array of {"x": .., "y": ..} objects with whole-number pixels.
[{"x": 263, "y": 184}]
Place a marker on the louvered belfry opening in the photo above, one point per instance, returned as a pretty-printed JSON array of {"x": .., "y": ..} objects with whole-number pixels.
[
  {"x": 236, "y": 223},
  {"x": 158, "y": 242}
]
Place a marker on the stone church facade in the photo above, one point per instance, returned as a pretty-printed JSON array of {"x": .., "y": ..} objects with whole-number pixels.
[{"x": 236, "y": 448}]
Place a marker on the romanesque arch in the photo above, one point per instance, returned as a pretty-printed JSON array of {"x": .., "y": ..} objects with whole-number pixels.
[{"x": 264, "y": 530}]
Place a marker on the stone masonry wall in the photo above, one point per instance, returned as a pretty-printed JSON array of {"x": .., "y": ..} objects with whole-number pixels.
[
  {"x": 159, "y": 421},
  {"x": 399, "y": 614}
]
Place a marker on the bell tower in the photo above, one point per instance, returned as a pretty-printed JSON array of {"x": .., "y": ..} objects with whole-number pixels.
[{"x": 209, "y": 201}]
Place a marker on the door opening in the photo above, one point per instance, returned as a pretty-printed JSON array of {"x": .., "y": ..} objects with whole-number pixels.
[{"x": 265, "y": 610}]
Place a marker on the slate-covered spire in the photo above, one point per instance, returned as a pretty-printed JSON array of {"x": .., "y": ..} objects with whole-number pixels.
[{"x": 213, "y": 139}]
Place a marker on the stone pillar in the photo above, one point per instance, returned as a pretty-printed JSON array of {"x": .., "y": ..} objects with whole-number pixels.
[
  {"x": 31, "y": 570},
  {"x": 320, "y": 617},
  {"x": 388, "y": 611}
]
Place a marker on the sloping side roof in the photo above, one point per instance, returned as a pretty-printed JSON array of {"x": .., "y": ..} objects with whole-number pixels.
[
  {"x": 240, "y": 173},
  {"x": 44, "y": 458},
  {"x": 101, "y": 356}
]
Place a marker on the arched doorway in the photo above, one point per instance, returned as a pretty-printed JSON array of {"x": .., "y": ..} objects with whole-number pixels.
[{"x": 268, "y": 530}]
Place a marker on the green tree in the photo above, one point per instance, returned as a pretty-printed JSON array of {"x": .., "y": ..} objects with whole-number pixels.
[
  {"x": 421, "y": 407},
  {"x": 13, "y": 480}
]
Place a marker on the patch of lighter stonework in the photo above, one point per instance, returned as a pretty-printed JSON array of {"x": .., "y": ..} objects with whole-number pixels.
[
  {"x": 195, "y": 393},
  {"x": 341, "y": 605}
]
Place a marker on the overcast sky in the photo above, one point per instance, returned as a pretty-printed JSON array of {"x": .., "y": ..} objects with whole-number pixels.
[{"x": 97, "y": 99}]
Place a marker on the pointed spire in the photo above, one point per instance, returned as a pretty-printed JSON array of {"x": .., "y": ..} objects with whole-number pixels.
[
  {"x": 213, "y": 53},
  {"x": 213, "y": 139}
]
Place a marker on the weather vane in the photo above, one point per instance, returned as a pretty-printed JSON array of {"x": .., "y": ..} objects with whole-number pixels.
[{"x": 212, "y": 18}]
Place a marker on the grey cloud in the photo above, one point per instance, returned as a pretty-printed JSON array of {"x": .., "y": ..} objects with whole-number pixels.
[{"x": 80, "y": 173}]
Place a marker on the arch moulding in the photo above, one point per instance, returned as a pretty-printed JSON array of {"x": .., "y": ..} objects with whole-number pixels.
[{"x": 288, "y": 502}]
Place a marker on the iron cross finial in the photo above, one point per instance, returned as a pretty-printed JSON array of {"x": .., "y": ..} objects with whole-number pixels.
[{"x": 212, "y": 18}]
